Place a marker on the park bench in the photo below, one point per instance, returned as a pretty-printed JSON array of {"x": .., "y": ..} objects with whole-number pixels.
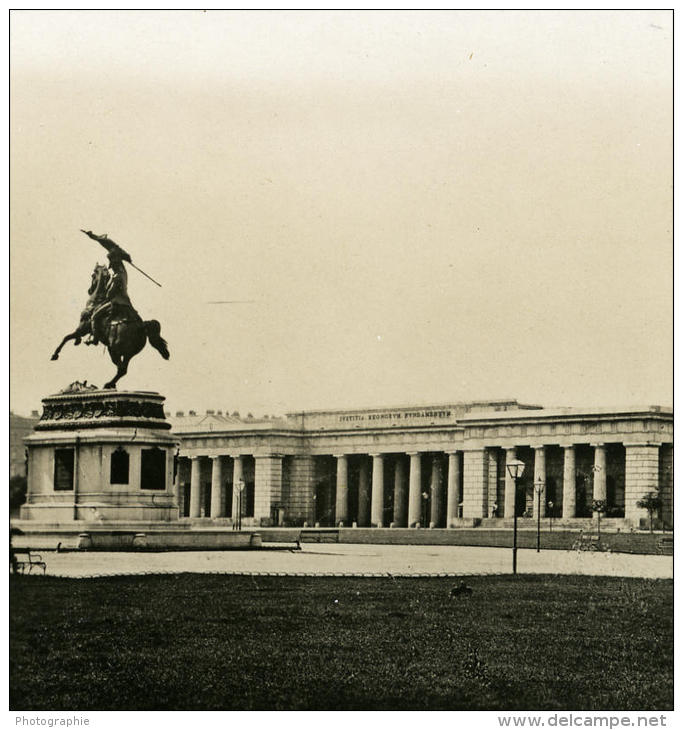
[
  {"x": 26, "y": 558},
  {"x": 319, "y": 535},
  {"x": 587, "y": 541},
  {"x": 665, "y": 546}
]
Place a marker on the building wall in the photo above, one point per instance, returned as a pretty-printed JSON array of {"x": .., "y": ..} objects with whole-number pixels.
[
  {"x": 666, "y": 483},
  {"x": 300, "y": 505}
]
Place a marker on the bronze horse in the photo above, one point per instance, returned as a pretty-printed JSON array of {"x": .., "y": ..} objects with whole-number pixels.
[{"x": 123, "y": 334}]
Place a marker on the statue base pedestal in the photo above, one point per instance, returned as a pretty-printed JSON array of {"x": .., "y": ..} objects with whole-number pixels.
[{"x": 101, "y": 456}]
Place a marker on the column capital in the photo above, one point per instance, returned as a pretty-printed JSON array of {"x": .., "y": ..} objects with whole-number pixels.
[
  {"x": 598, "y": 445},
  {"x": 340, "y": 456},
  {"x": 453, "y": 452},
  {"x": 568, "y": 446},
  {"x": 215, "y": 456},
  {"x": 194, "y": 457},
  {"x": 510, "y": 449},
  {"x": 414, "y": 453},
  {"x": 375, "y": 455},
  {"x": 536, "y": 447}
]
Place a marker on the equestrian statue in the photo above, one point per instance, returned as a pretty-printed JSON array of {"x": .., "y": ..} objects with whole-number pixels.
[{"x": 110, "y": 318}]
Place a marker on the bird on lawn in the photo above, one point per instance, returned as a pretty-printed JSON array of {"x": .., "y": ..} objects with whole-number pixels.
[{"x": 460, "y": 590}]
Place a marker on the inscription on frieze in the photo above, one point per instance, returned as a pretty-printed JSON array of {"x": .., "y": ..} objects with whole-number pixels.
[{"x": 394, "y": 416}]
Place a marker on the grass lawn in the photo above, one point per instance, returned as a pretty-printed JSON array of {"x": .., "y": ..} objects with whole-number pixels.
[{"x": 227, "y": 642}]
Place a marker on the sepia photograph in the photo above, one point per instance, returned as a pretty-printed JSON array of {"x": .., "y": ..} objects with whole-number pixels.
[{"x": 341, "y": 364}]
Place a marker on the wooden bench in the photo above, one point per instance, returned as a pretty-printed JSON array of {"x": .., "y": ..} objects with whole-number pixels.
[
  {"x": 665, "y": 546},
  {"x": 25, "y": 557},
  {"x": 589, "y": 542},
  {"x": 319, "y": 535}
]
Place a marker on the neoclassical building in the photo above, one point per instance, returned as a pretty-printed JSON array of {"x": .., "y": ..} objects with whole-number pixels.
[{"x": 441, "y": 465}]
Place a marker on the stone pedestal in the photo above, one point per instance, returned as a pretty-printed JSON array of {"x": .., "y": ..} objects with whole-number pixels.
[{"x": 101, "y": 456}]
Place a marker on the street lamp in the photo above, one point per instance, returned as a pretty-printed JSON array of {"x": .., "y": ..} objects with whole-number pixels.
[
  {"x": 240, "y": 491},
  {"x": 539, "y": 486},
  {"x": 551, "y": 509},
  {"x": 515, "y": 469}
]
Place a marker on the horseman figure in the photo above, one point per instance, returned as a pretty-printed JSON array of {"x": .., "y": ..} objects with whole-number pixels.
[
  {"x": 109, "y": 316},
  {"x": 117, "y": 304}
]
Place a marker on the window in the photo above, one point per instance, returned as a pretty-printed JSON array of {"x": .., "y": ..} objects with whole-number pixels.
[
  {"x": 64, "y": 470},
  {"x": 119, "y": 466},
  {"x": 153, "y": 469}
]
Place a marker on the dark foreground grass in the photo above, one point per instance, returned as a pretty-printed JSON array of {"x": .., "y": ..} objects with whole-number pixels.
[{"x": 228, "y": 642}]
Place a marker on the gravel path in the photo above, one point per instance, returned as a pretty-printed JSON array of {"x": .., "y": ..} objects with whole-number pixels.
[{"x": 344, "y": 559}]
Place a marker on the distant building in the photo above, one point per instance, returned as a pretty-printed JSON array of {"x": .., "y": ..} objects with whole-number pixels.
[
  {"x": 442, "y": 465},
  {"x": 19, "y": 428}
]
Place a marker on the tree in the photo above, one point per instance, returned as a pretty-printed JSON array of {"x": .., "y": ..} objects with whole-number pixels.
[
  {"x": 651, "y": 502},
  {"x": 17, "y": 492}
]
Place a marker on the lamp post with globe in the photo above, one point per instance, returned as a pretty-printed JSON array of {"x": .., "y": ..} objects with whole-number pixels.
[
  {"x": 237, "y": 522},
  {"x": 515, "y": 469},
  {"x": 539, "y": 488}
]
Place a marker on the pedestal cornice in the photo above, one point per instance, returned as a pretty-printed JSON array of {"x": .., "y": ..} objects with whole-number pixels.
[{"x": 92, "y": 408}]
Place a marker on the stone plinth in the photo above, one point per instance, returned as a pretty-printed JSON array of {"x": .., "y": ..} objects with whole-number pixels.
[
  {"x": 101, "y": 456},
  {"x": 90, "y": 408}
]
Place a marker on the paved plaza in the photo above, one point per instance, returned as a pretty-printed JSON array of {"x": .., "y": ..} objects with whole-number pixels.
[{"x": 341, "y": 559}]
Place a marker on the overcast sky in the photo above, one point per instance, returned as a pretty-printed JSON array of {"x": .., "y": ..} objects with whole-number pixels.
[{"x": 423, "y": 207}]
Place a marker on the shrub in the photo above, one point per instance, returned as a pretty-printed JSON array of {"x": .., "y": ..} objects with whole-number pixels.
[
  {"x": 17, "y": 492},
  {"x": 651, "y": 502}
]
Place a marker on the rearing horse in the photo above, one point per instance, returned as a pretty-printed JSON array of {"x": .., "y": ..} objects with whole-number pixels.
[
  {"x": 96, "y": 292},
  {"x": 124, "y": 335}
]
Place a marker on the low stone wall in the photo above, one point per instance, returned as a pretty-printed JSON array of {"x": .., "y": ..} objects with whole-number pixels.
[
  {"x": 136, "y": 540},
  {"x": 622, "y": 542},
  {"x": 149, "y": 537}
]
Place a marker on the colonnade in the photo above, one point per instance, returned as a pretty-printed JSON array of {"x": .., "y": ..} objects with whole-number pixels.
[
  {"x": 219, "y": 472},
  {"x": 640, "y": 475},
  {"x": 460, "y": 484},
  {"x": 408, "y": 493},
  {"x": 599, "y": 472}
]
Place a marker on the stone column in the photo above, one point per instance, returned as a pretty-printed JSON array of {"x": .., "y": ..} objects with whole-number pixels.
[
  {"x": 599, "y": 474},
  {"x": 364, "y": 494},
  {"x": 400, "y": 494},
  {"x": 415, "y": 489},
  {"x": 475, "y": 483},
  {"x": 642, "y": 477},
  {"x": 454, "y": 487},
  {"x": 267, "y": 487},
  {"x": 237, "y": 477},
  {"x": 377, "y": 508},
  {"x": 569, "y": 483},
  {"x": 217, "y": 501},
  {"x": 436, "y": 490},
  {"x": 509, "y": 510},
  {"x": 539, "y": 476},
  {"x": 195, "y": 487},
  {"x": 341, "y": 512}
]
